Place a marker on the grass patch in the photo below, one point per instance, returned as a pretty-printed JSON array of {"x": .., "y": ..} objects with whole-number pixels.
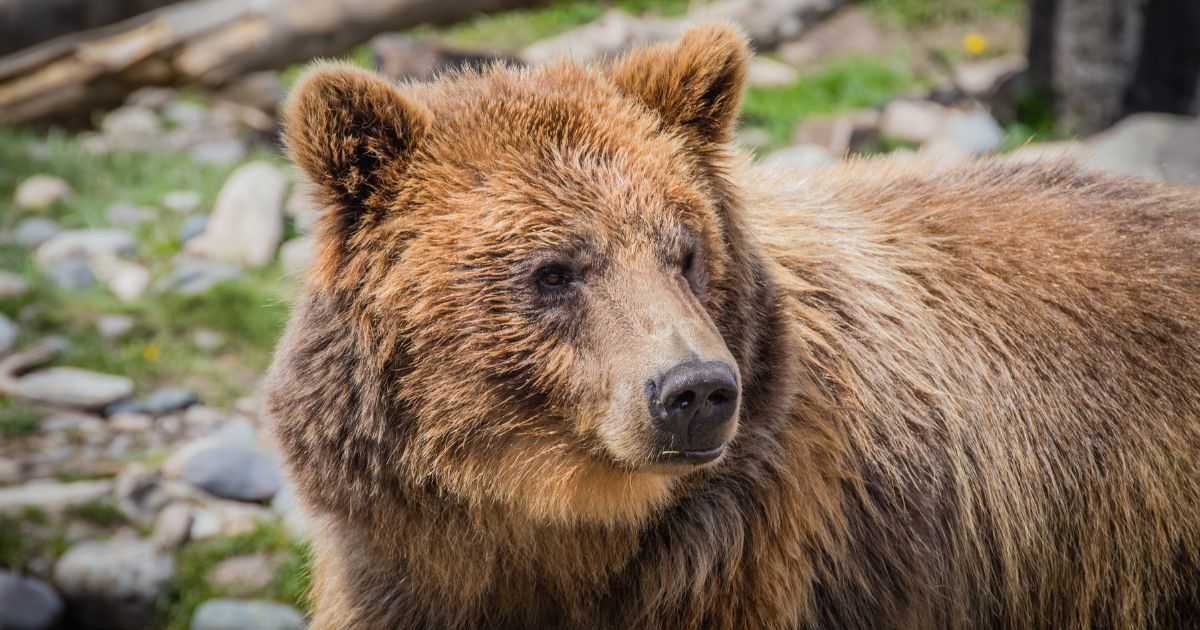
[
  {"x": 844, "y": 85},
  {"x": 17, "y": 421},
  {"x": 100, "y": 512},
  {"x": 513, "y": 30},
  {"x": 912, "y": 14},
  {"x": 196, "y": 560}
]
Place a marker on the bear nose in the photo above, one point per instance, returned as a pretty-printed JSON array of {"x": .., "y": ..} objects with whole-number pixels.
[{"x": 693, "y": 403}]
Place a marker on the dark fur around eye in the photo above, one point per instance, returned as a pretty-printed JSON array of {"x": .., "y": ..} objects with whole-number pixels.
[{"x": 553, "y": 277}]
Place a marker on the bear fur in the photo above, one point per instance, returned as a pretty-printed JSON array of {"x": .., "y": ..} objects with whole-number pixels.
[{"x": 970, "y": 394}]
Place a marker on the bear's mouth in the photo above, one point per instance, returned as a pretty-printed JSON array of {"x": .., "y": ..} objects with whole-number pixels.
[{"x": 697, "y": 457}]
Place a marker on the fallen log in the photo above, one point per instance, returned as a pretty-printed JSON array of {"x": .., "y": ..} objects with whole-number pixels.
[
  {"x": 205, "y": 42},
  {"x": 767, "y": 23}
]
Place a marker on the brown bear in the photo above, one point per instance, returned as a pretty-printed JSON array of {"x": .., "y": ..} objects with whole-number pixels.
[{"x": 566, "y": 359}]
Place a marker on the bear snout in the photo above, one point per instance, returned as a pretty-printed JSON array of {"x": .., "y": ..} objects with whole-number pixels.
[{"x": 693, "y": 405}]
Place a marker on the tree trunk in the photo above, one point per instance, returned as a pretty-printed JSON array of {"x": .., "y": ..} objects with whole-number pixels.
[
  {"x": 206, "y": 42},
  {"x": 1105, "y": 59}
]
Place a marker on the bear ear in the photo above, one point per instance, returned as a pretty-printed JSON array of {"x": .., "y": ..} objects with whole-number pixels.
[
  {"x": 694, "y": 84},
  {"x": 353, "y": 134}
]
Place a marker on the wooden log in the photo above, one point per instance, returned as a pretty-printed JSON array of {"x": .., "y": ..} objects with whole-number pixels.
[{"x": 206, "y": 42}]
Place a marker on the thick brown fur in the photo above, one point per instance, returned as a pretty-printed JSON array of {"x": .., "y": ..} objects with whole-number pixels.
[{"x": 970, "y": 394}]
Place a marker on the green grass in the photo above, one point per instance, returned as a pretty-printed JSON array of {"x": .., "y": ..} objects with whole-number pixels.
[
  {"x": 27, "y": 536},
  {"x": 513, "y": 30},
  {"x": 17, "y": 421},
  {"x": 100, "y": 512},
  {"x": 249, "y": 312},
  {"x": 196, "y": 560},
  {"x": 843, "y": 85},
  {"x": 911, "y": 14}
]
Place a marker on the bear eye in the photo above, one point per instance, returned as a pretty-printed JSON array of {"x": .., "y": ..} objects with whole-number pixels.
[{"x": 553, "y": 277}]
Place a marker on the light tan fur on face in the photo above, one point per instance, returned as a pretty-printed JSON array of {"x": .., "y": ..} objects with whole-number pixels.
[{"x": 970, "y": 393}]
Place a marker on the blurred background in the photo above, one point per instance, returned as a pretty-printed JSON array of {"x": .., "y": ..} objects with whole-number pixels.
[{"x": 151, "y": 232}]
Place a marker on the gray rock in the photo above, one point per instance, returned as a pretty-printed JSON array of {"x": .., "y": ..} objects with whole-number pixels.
[
  {"x": 182, "y": 201},
  {"x": 192, "y": 226},
  {"x": 850, "y": 132},
  {"x": 10, "y": 472},
  {"x": 114, "y": 326},
  {"x": 973, "y": 132},
  {"x": 73, "y": 387},
  {"x": 185, "y": 114},
  {"x": 40, "y": 191},
  {"x": 766, "y": 72},
  {"x": 125, "y": 126},
  {"x": 220, "y": 151},
  {"x": 247, "y": 221},
  {"x": 235, "y": 472},
  {"x": 803, "y": 157},
  {"x": 123, "y": 214},
  {"x": 8, "y": 333},
  {"x": 172, "y": 526},
  {"x": 126, "y": 280},
  {"x": 301, "y": 209},
  {"x": 242, "y": 575},
  {"x": 168, "y": 399},
  {"x": 115, "y": 583},
  {"x": 28, "y": 603},
  {"x": 977, "y": 78},
  {"x": 12, "y": 284},
  {"x": 192, "y": 276},
  {"x": 206, "y": 339},
  {"x": 90, "y": 244},
  {"x": 234, "y": 614},
  {"x": 295, "y": 518},
  {"x": 295, "y": 255},
  {"x": 130, "y": 422},
  {"x": 1154, "y": 146},
  {"x": 34, "y": 231},
  {"x": 912, "y": 120},
  {"x": 52, "y": 496},
  {"x": 72, "y": 274}
]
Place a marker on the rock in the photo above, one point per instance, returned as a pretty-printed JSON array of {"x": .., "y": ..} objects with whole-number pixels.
[
  {"x": 115, "y": 583},
  {"x": 12, "y": 284},
  {"x": 172, "y": 526},
  {"x": 34, "y": 231},
  {"x": 130, "y": 422},
  {"x": 185, "y": 114},
  {"x": 205, "y": 524},
  {"x": 966, "y": 133},
  {"x": 853, "y": 132},
  {"x": 301, "y": 209},
  {"x": 977, "y": 78},
  {"x": 260, "y": 90},
  {"x": 295, "y": 518},
  {"x": 219, "y": 151},
  {"x": 222, "y": 517},
  {"x": 192, "y": 276},
  {"x": 243, "y": 575},
  {"x": 28, "y": 603},
  {"x": 114, "y": 326},
  {"x": 247, "y": 220},
  {"x": 1154, "y": 146},
  {"x": 73, "y": 387},
  {"x": 72, "y": 274},
  {"x": 10, "y": 473},
  {"x": 89, "y": 244},
  {"x": 766, "y": 72},
  {"x": 125, "y": 126},
  {"x": 122, "y": 214},
  {"x": 168, "y": 399},
  {"x": 127, "y": 280},
  {"x": 295, "y": 255},
  {"x": 182, "y": 201},
  {"x": 192, "y": 227},
  {"x": 52, "y": 496},
  {"x": 234, "y": 472},
  {"x": 804, "y": 157},
  {"x": 8, "y": 333},
  {"x": 754, "y": 137},
  {"x": 141, "y": 491},
  {"x": 912, "y": 121},
  {"x": 234, "y": 614},
  {"x": 39, "y": 192},
  {"x": 206, "y": 339}
]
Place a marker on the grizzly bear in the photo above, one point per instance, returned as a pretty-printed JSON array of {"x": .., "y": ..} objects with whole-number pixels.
[{"x": 565, "y": 359}]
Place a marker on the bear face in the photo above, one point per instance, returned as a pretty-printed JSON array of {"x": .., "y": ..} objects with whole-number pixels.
[{"x": 560, "y": 293}]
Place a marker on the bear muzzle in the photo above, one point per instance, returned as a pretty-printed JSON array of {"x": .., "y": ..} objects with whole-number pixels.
[{"x": 693, "y": 407}]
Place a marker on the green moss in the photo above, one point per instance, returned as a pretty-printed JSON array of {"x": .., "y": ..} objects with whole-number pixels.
[
  {"x": 196, "y": 560},
  {"x": 844, "y": 85}
]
